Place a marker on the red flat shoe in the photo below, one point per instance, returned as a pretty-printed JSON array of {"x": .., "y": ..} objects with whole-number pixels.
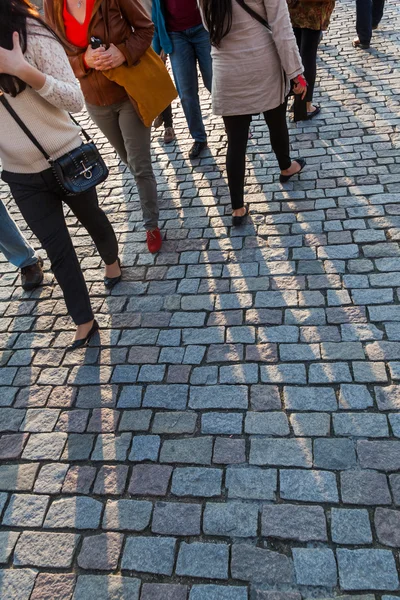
[{"x": 154, "y": 240}]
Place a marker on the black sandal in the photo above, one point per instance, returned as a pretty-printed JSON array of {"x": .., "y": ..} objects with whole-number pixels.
[
  {"x": 237, "y": 221},
  {"x": 313, "y": 113},
  {"x": 285, "y": 178}
]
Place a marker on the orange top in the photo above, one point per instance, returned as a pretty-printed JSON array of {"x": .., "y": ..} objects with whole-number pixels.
[{"x": 75, "y": 32}]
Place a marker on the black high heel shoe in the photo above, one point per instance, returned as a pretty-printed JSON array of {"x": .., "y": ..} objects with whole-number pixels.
[
  {"x": 111, "y": 282},
  {"x": 285, "y": 178},
  {"x": 237, "y": 221},
  {"x": 84, "y": 341}
]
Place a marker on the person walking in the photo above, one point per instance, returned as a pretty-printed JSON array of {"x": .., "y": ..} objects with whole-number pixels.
[
  {"x": 369, "y": 14},
  {"x": 165, "y": 118},
  {"x": 40, "y": 87},
  {"x": 309, "y": 20},
  {"x": 19, "y": 252},
  {"x": 253, "y": 68},
  {"x": 128, "y": 28},
  {"x": 179, "y": 33}
]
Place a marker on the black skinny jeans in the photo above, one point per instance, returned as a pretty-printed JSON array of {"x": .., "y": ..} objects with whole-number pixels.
[
  {"x": 41, "y": 204},
  {"x": 308, "y": 41},
  {"x": 237, "y": 129},
  {"x": 167, "y": 116}
]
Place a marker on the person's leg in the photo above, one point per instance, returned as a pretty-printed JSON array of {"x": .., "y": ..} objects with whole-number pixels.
[
  {"x": 279, "y": 135},
  {"x": 13, "y": 245},
  {"x": 42, "y": 209},
  {"x": 377, "y": 12},
  {"x": 167, "y": 117},
  {"x": 364, "y": 21},
  {"x": 201, "y": 40},
  {"x": 107, "y": 120},
  {"x": 308, "y": 51},
  {"x": 237, "y": 130},
  {"x": 137, "y": 140},
  {"x": 184, "y": 68}
]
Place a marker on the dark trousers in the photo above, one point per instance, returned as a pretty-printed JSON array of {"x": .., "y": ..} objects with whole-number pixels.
[
  {"x": 307, "y": 42},
  {"x": 167, "y": 116},
  {"x": 369, "y": 14},
  {"x": 237, "y": 129},
  {"x": 41, "y": 204}
]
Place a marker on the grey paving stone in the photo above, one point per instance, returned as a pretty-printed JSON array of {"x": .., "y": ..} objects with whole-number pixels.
[
  {"x": 204, "y": 376},
  {"x": 283, "y": 373},
  {"x": 203, "y": 560},
  {"x": 100, "y": 552},
  {"x": 111, "y": 480},
  {"x": 39, "y": 549},
  {"x": 50, "y": 478},
  {"x": 292, "y": 522},
  {"x": 295, "y": 452},
  {"x": 12, "y": 445},
  {"x": 218, "y": 592},
  {"x": 8, "y": 539},
  {"x": 77, "y": 512},
  {"x": 221, "y": 423},
  {"x": 380, "y": 455},
  {"x": 174, "y": 422},
  {"x": 315, "y": 567},
  {"x": 25, "y": 510},
  {"x": 229, "y": 451},
  {"x": 250, "y": 563},
  {"x": 231, "y": 519},
  {"x": 111, "y": 447},
  {"x": 361, "y": 425},
  {"x": 103, "y": 587},
  {"x": 260, "y": 594},
  {"x": 173, "y": 397},
  {"x": 189, "y": 450},
  {"x": 338, "y": 372},
  {"x": 196, "y": 481},
  {"x": 251, "y": 483},
  {"x": 365, "y": 488},
  {"x": 17, "y": 583},
  {"x": 265, "y": 397},
  {"x": 127, "y": 515},
  {"x": 350, "y": 526},
  {"x": 44, "y": 446},
  {"x": 135, "y": 420},
  {"x": 150, "y": 480},
  {"x": 11, "y": 419},
  {"x": 310, "y": 424},
  {"x": 308, "y": 486},
  {"x": 266, "y": 423},
  {"x": 334, "y": 454},
  {"x": 387, "y": 525},
  {"x": 164, "y": 591},
  {"x": 149, "y": 555},
  {"x": 219, "y": 397},
  {"x": 388, "y": 397},
  {"x": 367, "y": 570},
  {"x": 145, "y": 447},
  {"x": 354, "y": 397},
  {"x": 369, "y": 372},
  {"x": 17, "y": 478},
  {"x": 173, "y": 518},
  {"x": 310, "y": 398}
]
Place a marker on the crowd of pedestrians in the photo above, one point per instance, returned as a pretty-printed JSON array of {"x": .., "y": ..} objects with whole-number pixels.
[{"x": 251, "y": 55}]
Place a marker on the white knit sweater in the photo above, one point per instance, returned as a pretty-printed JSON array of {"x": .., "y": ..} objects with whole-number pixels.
[{"x": 44, "y": 111}]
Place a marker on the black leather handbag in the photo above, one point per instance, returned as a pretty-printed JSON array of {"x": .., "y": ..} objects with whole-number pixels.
[{"x": 76, "y": 171}]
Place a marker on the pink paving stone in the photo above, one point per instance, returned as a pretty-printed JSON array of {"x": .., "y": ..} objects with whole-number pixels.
[
  {"x": 11, "y": 446},
  {"x": 54, "y": 586},
  {"x": 150, "y": 480},
  {"x": 79, "y": 479},
  {"x": 104, "y": 420},
  {"x": 111, "y": 480},
  {"x": 101, "y": 552}
]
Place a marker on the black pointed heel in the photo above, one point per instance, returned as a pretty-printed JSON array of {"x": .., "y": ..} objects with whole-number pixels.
[
  {"x": 111, "y": 282},
  {"x": 237, "y": 221},
  {"x": 285, "y": 178},
  {"x": 84, "y": 341}
]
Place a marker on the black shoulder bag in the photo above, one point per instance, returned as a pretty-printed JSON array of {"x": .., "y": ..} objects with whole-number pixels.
[
  {"x": 254, "y": 14},
  {"x": 76, "y": 171}
]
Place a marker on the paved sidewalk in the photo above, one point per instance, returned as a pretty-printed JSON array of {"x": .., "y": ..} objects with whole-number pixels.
[{"x": 237, "y": 434}]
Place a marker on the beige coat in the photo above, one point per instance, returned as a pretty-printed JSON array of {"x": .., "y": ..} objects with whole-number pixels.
[{"x": 249, "y": 66}]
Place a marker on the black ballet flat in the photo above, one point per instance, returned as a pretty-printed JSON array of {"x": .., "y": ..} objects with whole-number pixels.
[
  {"x": 285, "y": 178},
  {"x": 111, "y": 282},
  {"x": 237, "y": 221},
  {"x": 84, "y": 341}
]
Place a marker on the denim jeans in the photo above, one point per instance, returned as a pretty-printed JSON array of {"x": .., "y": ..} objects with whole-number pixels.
[
  {"x": 368, "y": 14},
  {"x": 12, "y": 243},
  {"x": 192, "y": 46}
]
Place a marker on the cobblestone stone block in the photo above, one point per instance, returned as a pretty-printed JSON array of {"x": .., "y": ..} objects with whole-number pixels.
[
  {"x": 308, "y": 486},
  {"x": 145, "y": 447},
  {"x": 310, "y": 398},
  {"x": 354, "y": 397},
  {"x": 365, "y": 488},
  {"x": 12, "y": 445},
  {"x": 17, "y": 478},
  {"x": 295, "y": 452},
  {"x": 203, "y": 560},
  {"x": 338, "y": 372},
  {"x": 173, "y": 397},
  {"x": 174, "y": 422},
  {"x": 127, "y": 515},
  {"x": 25, "y": 510},
  {"x": 387, "y": 525},
  {"x": 334, "y": 454},
  {"x": 49, "y": 586},
  {"x": 257, "y": 565},
  {"x": 100, "y": 552},
  {"x": 111, "y": 480},
  {"x": 219, "y": 397},
  {"x": 233, "y": 519},
  {"x": 172, "y": 518},
  {"x": 149, "y": 555},
  {"x": 267, "y": 423},
  {"x": 221, "y": 423},
  {"x": 164, "y": 591},
  {"x": 350, "y": 526},
  {"x": 8, "y": 539},
  {"x": 229, "y": 451},
  {"x": 260, "y": 594},
  {"x": 111, "y": 447},
  {"x": 265, "y": 397},
  {"x": 197, "y": 481},
  {"x": 382, "y": 455},
  {"x": 51, "y": 550},
  {"x": 361, "y": 425},
  {"x": 189, "y": 450},
  {"x": 102, "y": 587},
  {"x": 79, "y": 479},
  {"x": 150, "y": 480},
  {"x": 292, "y": 522},
  {"x": 17, "y": 583},
  {"x": 367, "y": 570},
  {"x": 79, "y": 512},
  {"x": 44, "y": 446},
  {"x": 284, "y": 334},
  {"x": 315, "y": 567},
  {"x": 251, "y": 483},
  {"x": 218, "y": 592},
  {"x": 388, "y": 398},
  {"x": 283, "y": 373},
  {"x": 310, "y": 424}
]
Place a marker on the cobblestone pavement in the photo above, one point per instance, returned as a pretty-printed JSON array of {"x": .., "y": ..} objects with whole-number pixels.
[{"x": 237, "y": 434}]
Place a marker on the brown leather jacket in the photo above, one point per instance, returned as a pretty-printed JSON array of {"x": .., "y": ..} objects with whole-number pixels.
[{"x": 130, "y": 29}]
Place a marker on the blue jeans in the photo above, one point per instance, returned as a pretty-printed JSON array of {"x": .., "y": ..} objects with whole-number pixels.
[
  {"x": 12, "y": 243},
  {"x": 368, "y": 14},
  {"x": 192, "y": 46}
]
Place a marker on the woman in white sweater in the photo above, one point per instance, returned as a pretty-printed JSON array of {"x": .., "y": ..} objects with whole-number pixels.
[
  {"x": 38, "y": 83},
  {"x": 255, "y": 57}
]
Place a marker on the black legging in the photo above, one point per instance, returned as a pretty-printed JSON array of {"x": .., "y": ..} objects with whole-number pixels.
[
  {"x": 237, "y": 129},
  {"x": 308, "y": 41}
]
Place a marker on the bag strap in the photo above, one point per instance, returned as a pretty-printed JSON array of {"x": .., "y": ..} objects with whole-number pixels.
[
  {"x": 254, "y": 14},
  {"x": 27, "y": 132}
]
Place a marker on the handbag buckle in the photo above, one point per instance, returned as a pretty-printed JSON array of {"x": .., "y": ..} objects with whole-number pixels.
[{"x": 87, "y": 171}]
